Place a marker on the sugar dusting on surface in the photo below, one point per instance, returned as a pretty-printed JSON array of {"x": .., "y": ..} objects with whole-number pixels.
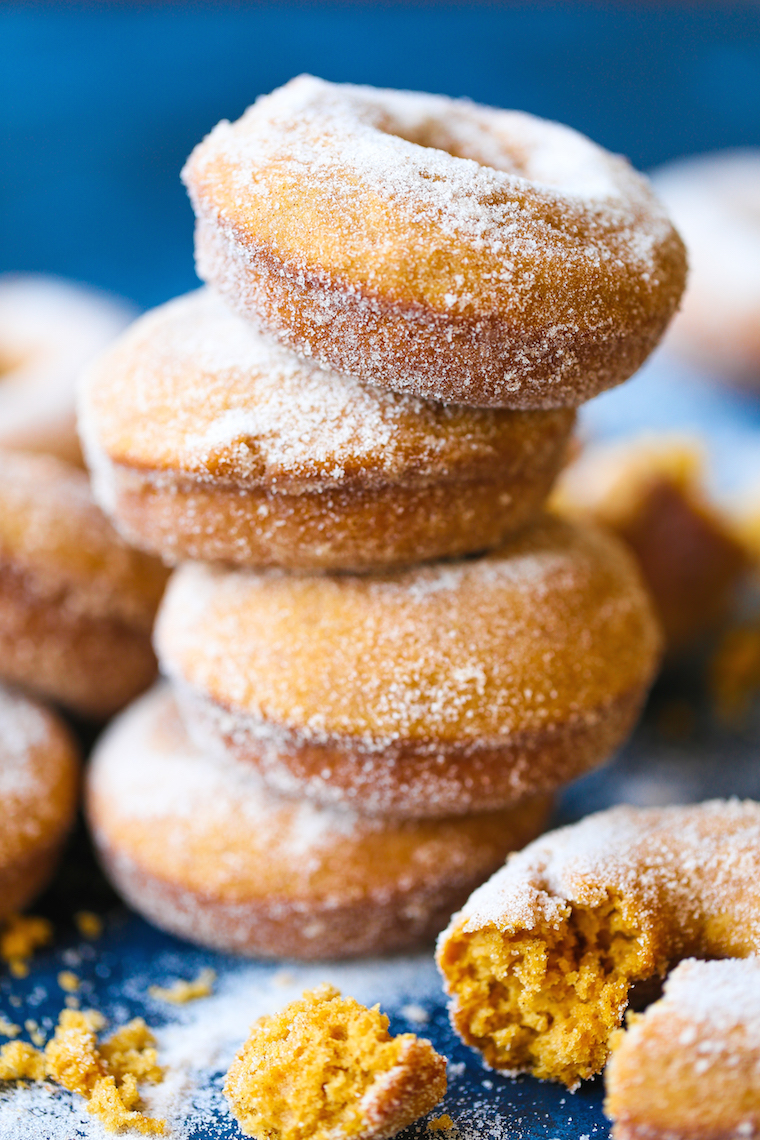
[{"x": 23, "y": 727}]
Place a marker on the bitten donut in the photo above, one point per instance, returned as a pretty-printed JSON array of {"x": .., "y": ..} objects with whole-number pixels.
[
  {"x": 196, "y": 844},
  {"x": 541, "y": 962},
  {"x": 207, "y": 441},
  {"x": 689, "y": 1067},
  {"x": 438, "y": 690},
  {"x": 715, "y": 201},
  {"x": 39, "y": 781},
  {"x": 650, "y": 492},
  {"x": 76, "y": 603},
  {"x": 49, "y": 330},
  {"x": 434, "y": 246}
]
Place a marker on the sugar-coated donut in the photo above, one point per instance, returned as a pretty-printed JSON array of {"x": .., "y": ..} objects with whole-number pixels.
[
  {"x": 39, "y": 781},
  {"x": 541, "y": 961},
  {"x": 434, "y": 246},
  {"x": 715, "y": 201},
  {"x": 441, "y": 689},
  {"x": 689, "y": 1067},
  {"x": 76, "y": 603},
  {"x": 650, "y": 491},
  {"x": 196, "y": 844},
  {"x": 49, "y": 330},
  {"x": 207, "y": 441}
]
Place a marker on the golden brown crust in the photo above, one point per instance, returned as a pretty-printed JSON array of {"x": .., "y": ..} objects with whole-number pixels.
[
  {"x": 439, "y": 684},
  {"x": 76, "y": 604},
  {"x": 189, "y": 842},
  {"x": 649, "y": 492},
  {"x": 398, "y": 258},
  {"x": 39, "y": 782},
  {"x": 207, "y": 441}
]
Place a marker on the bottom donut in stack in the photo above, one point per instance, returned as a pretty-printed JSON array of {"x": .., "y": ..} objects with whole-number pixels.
[{"x": 202, "y": 849}]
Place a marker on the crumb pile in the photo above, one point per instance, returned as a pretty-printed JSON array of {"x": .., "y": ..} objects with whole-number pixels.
[{"x": 327, "y": 1067}]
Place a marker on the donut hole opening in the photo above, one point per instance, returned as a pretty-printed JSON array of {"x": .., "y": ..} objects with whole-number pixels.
[
  {"x": 472, "y": 139},
  {"x": 547, "y": 1001}
]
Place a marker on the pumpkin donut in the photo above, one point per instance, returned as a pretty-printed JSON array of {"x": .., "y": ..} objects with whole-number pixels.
[
  {"x": 49, "y": 330},
  {"x": 433, "y": 246},
  {"x": 196, "y": 844},
  {"x": 689, "y": 1067},
  {"x": 39, "y": 781},
  {"x": 207, "y": 441},
  {"x": 438, "y": 690},
  {"x": 715, "y": 201},
  {"x": 541, "y": 962},
  {"x": 76, "y": 603}
]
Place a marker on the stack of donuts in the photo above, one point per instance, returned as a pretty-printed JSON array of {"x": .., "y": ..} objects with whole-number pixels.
[{"x": 382, "y": 656}]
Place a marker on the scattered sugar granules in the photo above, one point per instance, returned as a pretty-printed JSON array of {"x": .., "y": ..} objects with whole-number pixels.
[
  {"x": 106, "y": 1075},
  {"x": 20, "y": 936},
  {"x": 180, "y": 992}
]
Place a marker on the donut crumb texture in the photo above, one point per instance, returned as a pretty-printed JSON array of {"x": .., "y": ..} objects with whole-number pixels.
[
  {"x": 326, "y": 1067},
  {"x": 20, "y": 936}
]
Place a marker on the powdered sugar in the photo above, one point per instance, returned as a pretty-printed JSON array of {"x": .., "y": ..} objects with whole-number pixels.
[{"x": 23, "y": 728}]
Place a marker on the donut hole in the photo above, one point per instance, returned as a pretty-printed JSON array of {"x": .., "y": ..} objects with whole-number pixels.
[
  {"x": 473, "y": 139},
  {"x": 548, "y": 1000}
]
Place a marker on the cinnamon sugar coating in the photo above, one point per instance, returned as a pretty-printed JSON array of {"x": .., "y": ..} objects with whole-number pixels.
[
  {"x": 541, "y": 961},
  {"x": 650, "y": 492},
  {"x": 49, "y": 330},
  {"x": 689, "y": 1067},
  {"x": 447, "y": 688},
  {"x": 76, "y": 603},
  {"x": 39, "y": 781},
  {"x": 434, "y": 246},
  {"x": 197, "y": 845},
  {"x": 326, "y": 1068},
  {"x": 208, "y": 441}
]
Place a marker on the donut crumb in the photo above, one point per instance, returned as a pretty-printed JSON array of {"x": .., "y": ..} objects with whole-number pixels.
[
  {"x": 180, "y": 992},
  {"x": 20, "y": 936},
  {"x": 88, "y": 924}
]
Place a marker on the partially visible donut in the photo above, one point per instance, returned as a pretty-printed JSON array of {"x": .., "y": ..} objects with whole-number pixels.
[
  {"x": 434, "y": 246},
  {"x": 39, "y": 781},
  {"x": 650, "y": 491},
  {"x": 196, "y": 844},
  {"x": 715, "y": 202},
  {"x": 688, "y": 1068},
  {"x": 441, "y": 689},
  {"x": 76, "y": 603},
  {"x": 207, "y": 441},
  {"x": 49, "y": 330},
  {"x": 541, "y": 962}
]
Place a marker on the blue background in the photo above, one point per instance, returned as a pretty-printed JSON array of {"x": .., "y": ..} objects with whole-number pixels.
[{"x": 100, "y": 105}]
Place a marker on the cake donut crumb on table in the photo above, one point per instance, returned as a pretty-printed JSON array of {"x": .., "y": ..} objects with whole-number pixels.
[
  {"x": 39, "y": 785},
  {"x": 196, "y": 844},
  {"x": 443, "y": 689},
  {"x": 434, "y": 246},
  {"x": 688, "y": 1068},
  {"x": 208, "y": 441},
  {"x": 541, "y": 961},
  {"x": 326, "y": 1068}
]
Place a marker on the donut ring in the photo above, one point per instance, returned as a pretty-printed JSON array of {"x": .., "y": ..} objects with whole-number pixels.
[
  {"x": 39, "y": 781},
  {"x": 49, "y": 330},
  {"x": 438, "y": 690},
  {"x": 434, "y": 246},
  {"x": 197, "y": 845},
  {"x": 689, "y": 1066},
  {"x": 541, "y": 961},
  {"x": 207, "y": 441},
  {"x": 715, "y": 201},
  {"x": 76, "y": 604}
]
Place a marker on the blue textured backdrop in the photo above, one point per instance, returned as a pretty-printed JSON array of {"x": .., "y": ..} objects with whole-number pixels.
[{"x": 99, "y": 105}]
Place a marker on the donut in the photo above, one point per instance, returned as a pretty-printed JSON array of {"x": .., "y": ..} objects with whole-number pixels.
[
  {"x": 49, "y": 329},
  {"x": 715, "y": 201},
  {"x": 207, "y": 441},
  {"x": 39, "y": 781},
  {"x": 197, "y": 845},
  {"x": 433, "y": 246},
  {"x": 437, "y": 690},
  {"x": 76, "y": 603},
  {"x": 689, "y": 1067},
  {"x": 346, "y": 1075},
  {"x": 649, "y": 490},
  {"x": 541, "y": 962}
]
